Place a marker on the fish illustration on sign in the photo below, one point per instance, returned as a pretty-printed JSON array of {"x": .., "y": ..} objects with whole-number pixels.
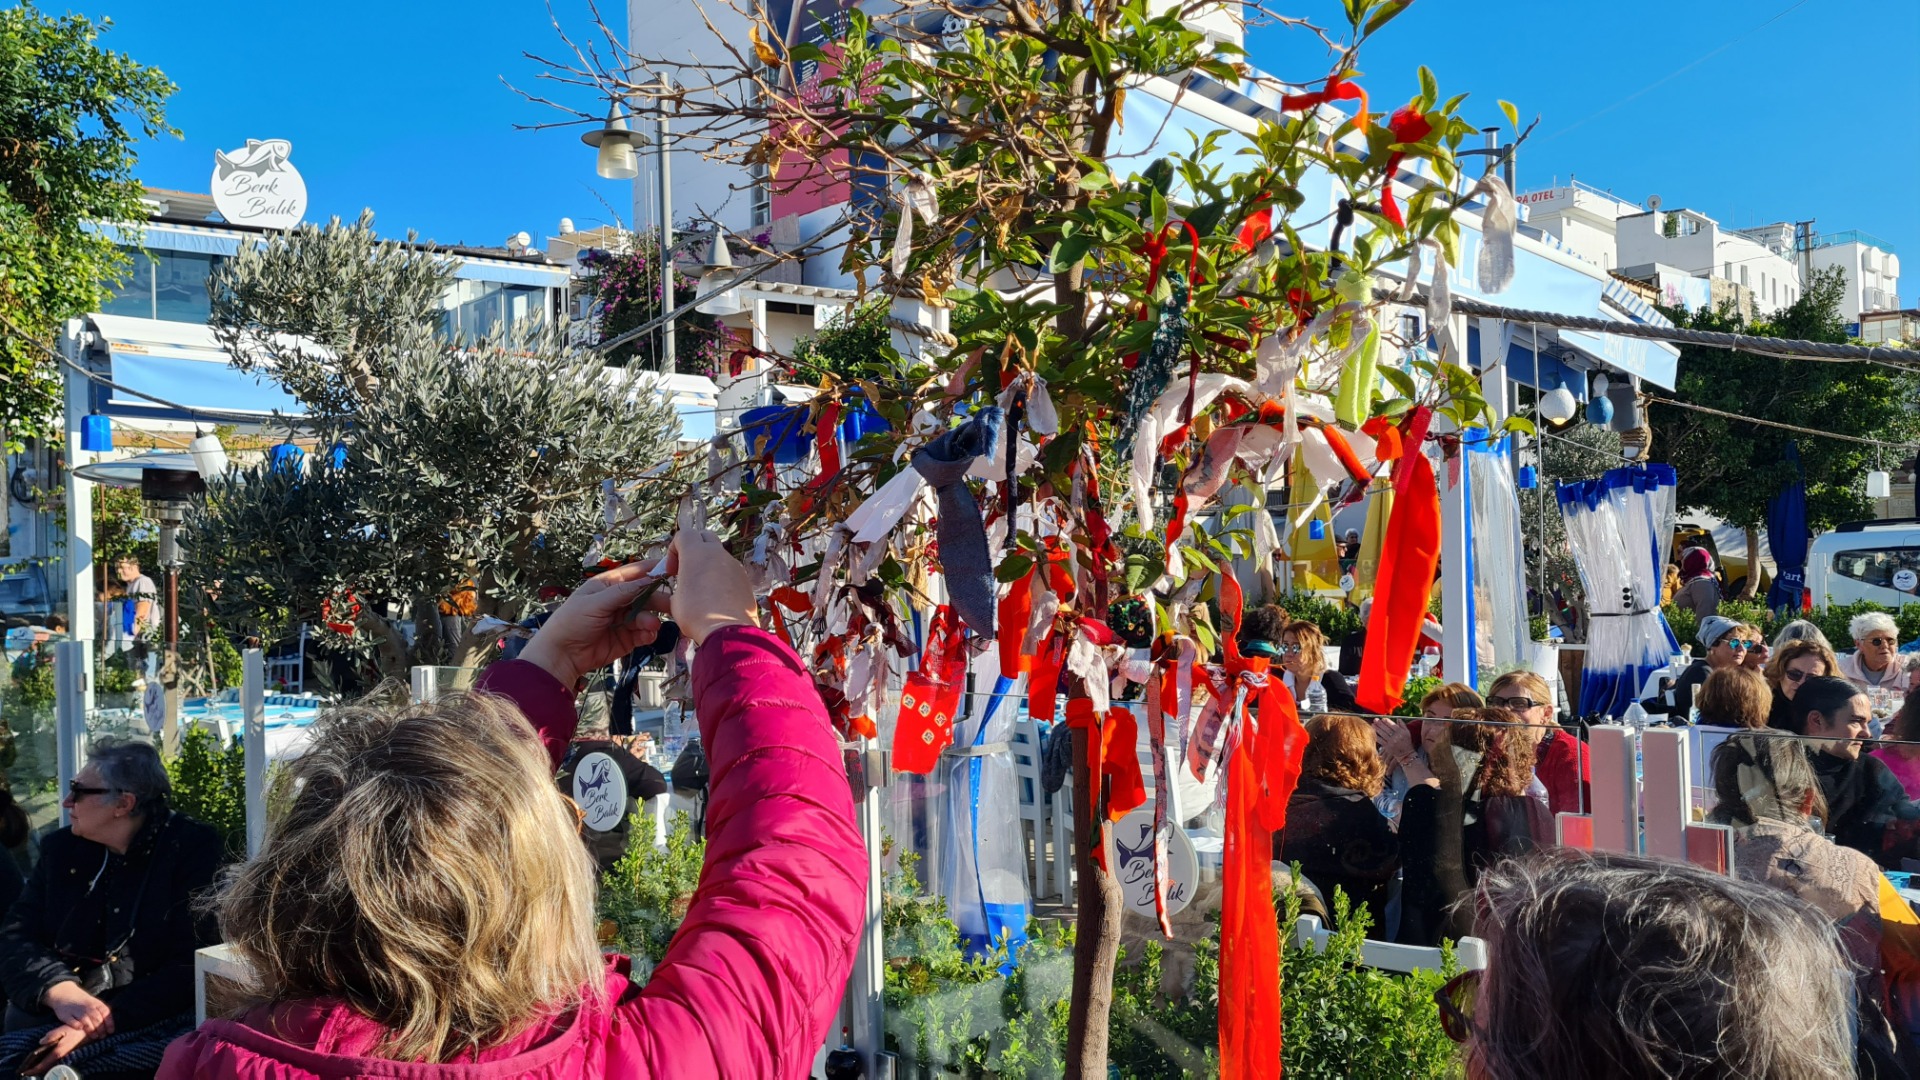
[
  {"x": 260, "y": 156},
  {"x": 600, "y": 790},
  {"x": 257, "y": 185}
]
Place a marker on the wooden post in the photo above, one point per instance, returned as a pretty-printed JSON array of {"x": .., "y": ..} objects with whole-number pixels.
[{"x": 1096, "y": 943}]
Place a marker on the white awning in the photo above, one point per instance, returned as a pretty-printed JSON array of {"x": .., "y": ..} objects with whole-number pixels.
[{"x": 183, "y": 363}]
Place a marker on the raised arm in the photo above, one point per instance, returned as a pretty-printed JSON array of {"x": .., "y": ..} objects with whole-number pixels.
[{"x": 755, "y": 974}]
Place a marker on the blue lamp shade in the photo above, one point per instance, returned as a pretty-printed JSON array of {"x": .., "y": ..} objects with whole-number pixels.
[
  {"x": 1600, "y": 412},
  {"x": 96, "y": 433},
  {"x": 286, "y": 457},
  {"x": 1529, "y": 477},
  {"x": 777, "y": 429},
  {"x": 1316, "y": 529},
  {"x": 861, "y": 419},
  {"x": 339, "y": 455}
]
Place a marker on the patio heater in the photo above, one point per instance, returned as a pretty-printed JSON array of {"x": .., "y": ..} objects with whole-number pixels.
[{"x": 168, "y": 483}]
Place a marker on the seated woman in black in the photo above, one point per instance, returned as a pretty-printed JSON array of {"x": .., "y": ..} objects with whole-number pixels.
[
  {"x": 1336, "y": 834},
  {"x": 1474, "y": 811},
  {"x": 97, "y": 954}
]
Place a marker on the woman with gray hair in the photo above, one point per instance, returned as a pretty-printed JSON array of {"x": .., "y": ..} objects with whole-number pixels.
[
  {"x": 1875, "y": 662},
  {"x": 97, "y": 954},
  {"x": 1617, "y": 967},
  {"x": 1800, "y": 630}
]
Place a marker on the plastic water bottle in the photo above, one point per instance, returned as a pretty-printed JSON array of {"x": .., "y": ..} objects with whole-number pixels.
[
  {"x": 1635, "y": 719},
  {"x": 1316, "y": 697}
]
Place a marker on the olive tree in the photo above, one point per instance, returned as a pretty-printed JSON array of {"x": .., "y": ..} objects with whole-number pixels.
[{"x": 461, "y": 476}]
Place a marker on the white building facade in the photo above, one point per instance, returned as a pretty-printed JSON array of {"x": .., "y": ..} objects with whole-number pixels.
[{"x": 1872, "y": 269}]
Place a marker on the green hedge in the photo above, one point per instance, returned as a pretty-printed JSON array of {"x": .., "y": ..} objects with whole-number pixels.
[
  {"x": 1831, "y": 620},
  {"x": 948, "y": 1015}
]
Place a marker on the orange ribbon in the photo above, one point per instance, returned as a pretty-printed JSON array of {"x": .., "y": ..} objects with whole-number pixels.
[{"x": 1263, "y": 768}]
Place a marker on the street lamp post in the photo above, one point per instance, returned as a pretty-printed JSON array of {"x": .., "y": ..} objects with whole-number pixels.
[{"x": 616, "y": 141}]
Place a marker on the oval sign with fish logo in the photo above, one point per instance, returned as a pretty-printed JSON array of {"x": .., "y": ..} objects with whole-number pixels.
[
  {"x": 600, "y": 790},
  {"x": 257, "y": 185},
  {"x": 1133, "y": 844}
]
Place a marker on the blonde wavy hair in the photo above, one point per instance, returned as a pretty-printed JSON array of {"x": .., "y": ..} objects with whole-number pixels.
[
  {"x": 1313, "y": 649},
  {"x": 429, "y": 874}
]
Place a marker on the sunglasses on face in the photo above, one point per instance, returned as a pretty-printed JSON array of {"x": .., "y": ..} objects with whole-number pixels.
[
  {"x": 1289, "y": 650},
  {"x": 1883, "y": 642},
  {"x": 1455, "y": 1001},
  {"x": 1520, "y": 703},
  {"x": 1793, "y": 676},
  {"x": 78, "y": 790},
  {"x": 1741, "y": 646}
]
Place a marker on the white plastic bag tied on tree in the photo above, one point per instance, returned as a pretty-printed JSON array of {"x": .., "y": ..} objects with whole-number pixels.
[{"x": 1498, "y": 222}]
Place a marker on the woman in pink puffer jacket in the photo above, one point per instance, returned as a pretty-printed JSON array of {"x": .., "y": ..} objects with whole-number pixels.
[{"x": 425, "y": 908}]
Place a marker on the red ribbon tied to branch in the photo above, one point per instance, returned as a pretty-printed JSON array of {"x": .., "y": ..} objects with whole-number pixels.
[
  {"x": 1339, "y": 87},
  {"x": 1263, "y": 767},
  {"x": 1408, "y": 125}
]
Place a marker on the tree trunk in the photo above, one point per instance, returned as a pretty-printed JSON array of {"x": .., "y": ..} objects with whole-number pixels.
[
  {"x": 1096, "y": 942},
  {"x": 1752, "y": 585}
]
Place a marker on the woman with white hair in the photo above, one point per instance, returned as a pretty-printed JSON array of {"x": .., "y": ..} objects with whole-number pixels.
[{"x": 1875, "y": 662}]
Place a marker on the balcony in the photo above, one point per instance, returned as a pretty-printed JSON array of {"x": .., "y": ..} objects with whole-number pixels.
[{"x": 1852, "y": 236}]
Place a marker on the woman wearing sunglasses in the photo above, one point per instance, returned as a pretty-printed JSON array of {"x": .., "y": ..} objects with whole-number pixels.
[
  {"x": 1876, "y": 663},
  {"x": 1728, "y": 644},
  {"x": 1792, "y": 665},
  {"x": 1561, "y": 760},
  {"x": 1604, "y": 966},
  {"x": 97, "y": 954}
]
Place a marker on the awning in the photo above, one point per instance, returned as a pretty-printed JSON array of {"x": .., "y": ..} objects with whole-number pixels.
[{"x": 182, "y": 363}]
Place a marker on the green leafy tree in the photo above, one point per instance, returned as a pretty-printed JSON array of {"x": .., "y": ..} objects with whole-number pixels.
[
  {"x": 467, "y": 476},
  {"x": 1000, "y": 139},
  {"x": 71, "y": 114},
  {"x": 1731, "y": 468},
  {"x": 855, "y": 344}
]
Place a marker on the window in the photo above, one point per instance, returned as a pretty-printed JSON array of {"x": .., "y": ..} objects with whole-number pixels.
[
  {"x": 134, "y": 296},
  {"x": 170, "y": 285},
  {"x": 1727, "y": 271},
  {"x": 1410, "y": 327},
  {"x": 180, "y": 286},
  {"x": 1881, "y": 568},
  {"x": 1743, "y": 275},
  {"x": 475, "y": 309}
]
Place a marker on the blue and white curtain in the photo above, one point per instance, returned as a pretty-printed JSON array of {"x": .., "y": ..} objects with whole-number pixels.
[{"x": 1620, "y": 529}]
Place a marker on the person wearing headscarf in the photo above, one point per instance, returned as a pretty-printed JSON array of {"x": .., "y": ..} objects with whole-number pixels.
[{"x": 1699, "y": 591}]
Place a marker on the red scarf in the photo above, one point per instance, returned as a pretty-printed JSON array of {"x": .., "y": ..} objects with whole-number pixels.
[{"x": 1409, "y": 556}]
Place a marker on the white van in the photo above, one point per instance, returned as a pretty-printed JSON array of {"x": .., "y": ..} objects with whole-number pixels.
[{"x": 1866, "y": 560}]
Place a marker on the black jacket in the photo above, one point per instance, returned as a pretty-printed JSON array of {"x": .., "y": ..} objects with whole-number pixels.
[
  {"x": 1681, "y": 709},
  {"x": 1867, "y": 809},
  {"x": 1340, "y": 838},
  {"x": 66, "y": 918}
]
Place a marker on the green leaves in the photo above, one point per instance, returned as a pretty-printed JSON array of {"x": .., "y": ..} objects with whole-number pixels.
[
  {"x": 1073, "y": 247},
  {"x": 1512, "y": 114}
]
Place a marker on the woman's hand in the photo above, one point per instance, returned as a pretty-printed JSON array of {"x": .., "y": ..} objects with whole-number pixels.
[
  {"x": 597, "y": 625},
  {"x": 1396, "y": 742},
  {"x": 710, "y": 586},
  {"x": 63, "y": 1040},
  {"x": 78, "y": 1009}
]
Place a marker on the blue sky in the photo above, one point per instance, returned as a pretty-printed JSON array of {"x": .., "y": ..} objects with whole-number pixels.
[{"x": 399, "y": 105}]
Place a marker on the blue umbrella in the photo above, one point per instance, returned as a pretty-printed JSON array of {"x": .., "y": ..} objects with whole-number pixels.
[{"x": 1787, "y": 536}]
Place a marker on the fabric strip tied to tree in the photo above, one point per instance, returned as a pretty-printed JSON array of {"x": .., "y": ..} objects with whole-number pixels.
[{"x": 964, "y": 558}]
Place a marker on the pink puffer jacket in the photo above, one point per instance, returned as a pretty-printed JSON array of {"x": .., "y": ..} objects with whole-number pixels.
[{"x": 750, "y": 985}]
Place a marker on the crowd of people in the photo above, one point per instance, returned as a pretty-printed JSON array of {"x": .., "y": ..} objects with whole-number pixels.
[
  {"x": 1443, "y": 826},
  {"x": 424, "y": 905}
]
